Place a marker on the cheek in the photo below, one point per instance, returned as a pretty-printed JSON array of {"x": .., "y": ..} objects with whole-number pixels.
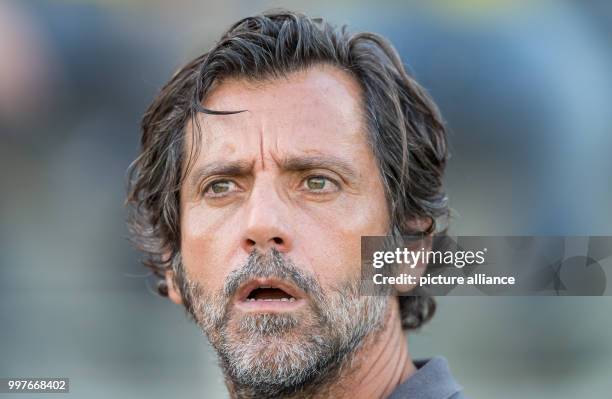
[
  {"x": 202, "y": 247},
  {"x": 334, "y": 236}
]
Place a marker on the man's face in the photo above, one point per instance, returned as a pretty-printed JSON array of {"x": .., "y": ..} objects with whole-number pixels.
[{"x": 272, "y": 213}]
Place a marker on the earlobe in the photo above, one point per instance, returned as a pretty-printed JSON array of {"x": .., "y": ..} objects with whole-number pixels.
[
  {"x": 416, "y": 272},
  {"x": 174, "y": 292},
  {"x": 424, "y": 228}
]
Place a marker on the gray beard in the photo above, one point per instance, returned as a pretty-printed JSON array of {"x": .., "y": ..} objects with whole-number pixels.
[{"x": 284, "y": 355}]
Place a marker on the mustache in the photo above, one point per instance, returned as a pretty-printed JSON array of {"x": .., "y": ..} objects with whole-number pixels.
[{"x": 272, "y": 264}]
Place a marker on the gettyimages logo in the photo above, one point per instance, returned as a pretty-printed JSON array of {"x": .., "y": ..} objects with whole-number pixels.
[
  {"x": 480, "y": 265},
  {"x": 413, "y": 258}
]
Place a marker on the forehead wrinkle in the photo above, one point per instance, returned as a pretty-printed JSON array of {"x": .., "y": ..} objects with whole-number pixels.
[
  {"x": 261, "y": 146},
  {"x": 212, "y": 133},
  {"x": 239, "y": 93}
]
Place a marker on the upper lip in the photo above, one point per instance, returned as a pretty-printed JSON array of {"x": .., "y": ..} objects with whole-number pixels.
[{"x": 250, "y": 285}]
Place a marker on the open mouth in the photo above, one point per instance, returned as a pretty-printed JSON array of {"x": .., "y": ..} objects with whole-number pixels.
[{"x": 269, "y": 293}]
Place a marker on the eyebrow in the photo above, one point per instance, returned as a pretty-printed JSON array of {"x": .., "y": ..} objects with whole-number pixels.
[
  {"x": 225, "y": 168},
  {"x": 304, "y": 163},
  {"x": 290, "y": 164}
]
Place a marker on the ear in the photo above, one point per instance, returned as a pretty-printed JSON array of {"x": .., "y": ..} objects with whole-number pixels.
[
  {"x": 414, "y": 270},
  {"x": 174, "y": 292},
  {"x": 427, "y": 226},
  {"x": 420, "y": 225}
]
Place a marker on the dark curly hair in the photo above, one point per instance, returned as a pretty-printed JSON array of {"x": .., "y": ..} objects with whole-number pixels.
[{"x": 406, "y": 132}]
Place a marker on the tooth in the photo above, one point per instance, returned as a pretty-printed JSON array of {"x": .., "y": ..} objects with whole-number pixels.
[
  {"x": 291, "y": 299},
  {"x": 284, "y": 299}
]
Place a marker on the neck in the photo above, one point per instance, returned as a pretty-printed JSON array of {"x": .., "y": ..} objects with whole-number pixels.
[{"x": 382, "y": 363}]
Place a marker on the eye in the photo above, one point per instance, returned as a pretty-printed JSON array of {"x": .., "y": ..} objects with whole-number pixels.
[
  {"x": 219, "y": 188},
  {"x": 320, "y": 184}
]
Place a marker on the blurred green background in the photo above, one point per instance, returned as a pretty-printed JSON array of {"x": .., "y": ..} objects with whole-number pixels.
[{"x": 525, "y": 87}]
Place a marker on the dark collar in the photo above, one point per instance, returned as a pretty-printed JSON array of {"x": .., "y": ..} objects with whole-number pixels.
[{"x": 432, "y": 380}]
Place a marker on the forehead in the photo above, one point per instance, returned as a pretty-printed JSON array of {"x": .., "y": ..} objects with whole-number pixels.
[{"x": 315, "y": 110}]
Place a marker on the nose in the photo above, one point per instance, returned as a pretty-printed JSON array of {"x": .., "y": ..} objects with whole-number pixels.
[{"x": 266, "y": 222}]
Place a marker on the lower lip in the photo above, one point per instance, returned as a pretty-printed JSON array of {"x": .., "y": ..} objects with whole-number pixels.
[{"x": 270, "y": 306}]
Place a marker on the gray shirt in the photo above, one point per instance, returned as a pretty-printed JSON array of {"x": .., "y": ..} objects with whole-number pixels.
[{"x": 432, "y": 380}]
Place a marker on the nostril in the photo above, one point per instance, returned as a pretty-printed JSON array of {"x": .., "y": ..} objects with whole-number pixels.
[{"x": 264, "y": 245}]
